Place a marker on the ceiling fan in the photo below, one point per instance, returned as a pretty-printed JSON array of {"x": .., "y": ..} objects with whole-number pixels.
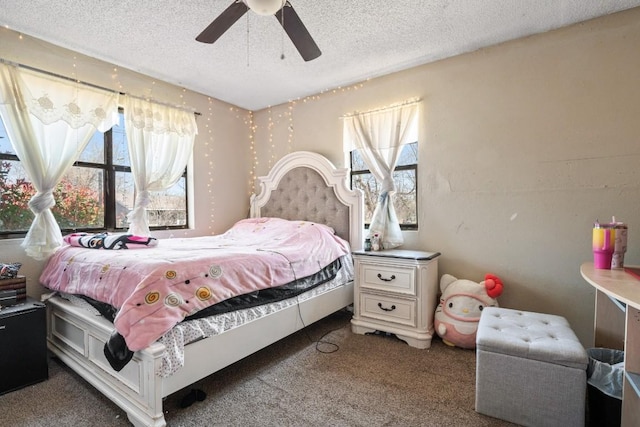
[{"x": 281, "y": 9}]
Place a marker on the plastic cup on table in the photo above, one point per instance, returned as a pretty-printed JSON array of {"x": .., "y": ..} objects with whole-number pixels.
[
  {"x": 603, "y": 246},
  {"x": 602, "y": 259}
]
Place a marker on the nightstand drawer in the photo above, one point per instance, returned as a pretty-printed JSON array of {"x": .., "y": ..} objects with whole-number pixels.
[
  {"x": 388, "y": 278},
  {"x": 388, "y": 309}
]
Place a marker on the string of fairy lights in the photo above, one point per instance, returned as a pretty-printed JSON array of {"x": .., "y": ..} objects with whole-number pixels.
[
  {"x": 273, "y": 121},
  {"x": 211, "y": 170},
  {"x": 285, "y": 117}
]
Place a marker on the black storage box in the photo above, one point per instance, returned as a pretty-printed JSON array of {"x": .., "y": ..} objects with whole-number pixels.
[{"x": 23, "y": 345}]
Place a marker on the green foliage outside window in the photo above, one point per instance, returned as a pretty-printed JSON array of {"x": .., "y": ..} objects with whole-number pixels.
[{"x": 76, "y": 207}]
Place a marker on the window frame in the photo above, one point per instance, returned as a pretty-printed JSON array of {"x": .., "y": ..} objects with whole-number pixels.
[
  {"x": 413, "y": 166},
  {"x": 109, "y": 184}
]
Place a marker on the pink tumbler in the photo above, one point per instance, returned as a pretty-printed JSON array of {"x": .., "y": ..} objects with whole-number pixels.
[{"x": 604, "y": 238}]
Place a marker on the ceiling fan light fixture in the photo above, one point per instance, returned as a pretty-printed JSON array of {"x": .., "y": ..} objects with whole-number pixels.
[
  {"x": 280, "y": 9},
  {"x": 265, "y": 7}
]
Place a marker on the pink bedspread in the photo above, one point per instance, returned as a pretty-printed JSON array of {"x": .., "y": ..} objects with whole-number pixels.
[{"x": 156, "y": 288}]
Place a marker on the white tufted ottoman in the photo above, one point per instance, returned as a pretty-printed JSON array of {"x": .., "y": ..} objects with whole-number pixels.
[{"x": 530, "y": 369}]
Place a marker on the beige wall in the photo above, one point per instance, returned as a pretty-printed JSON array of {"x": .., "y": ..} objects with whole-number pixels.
[
  {"x": 523, "y": 146},
  {"x": 220, "y": 186}
]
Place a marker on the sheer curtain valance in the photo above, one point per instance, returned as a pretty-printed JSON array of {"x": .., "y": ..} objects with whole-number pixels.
[
  {"x": 49, "y": 121},
  {"x": 160, "y": 142},
  {"x": 379, "y": 136}
]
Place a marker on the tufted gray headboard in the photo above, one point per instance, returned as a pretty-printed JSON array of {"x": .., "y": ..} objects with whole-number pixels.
[
  {"x": 302, "y": 194},
  {"x": 306, "y": 186}
]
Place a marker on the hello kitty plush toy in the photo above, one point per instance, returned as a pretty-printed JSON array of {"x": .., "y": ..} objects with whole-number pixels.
[{"x": 462, "y": 301}]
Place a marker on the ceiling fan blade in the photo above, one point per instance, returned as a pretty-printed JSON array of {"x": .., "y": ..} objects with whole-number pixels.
[
  {"x": 223, "y": 22},
  {"x": 298, "y": 33}
]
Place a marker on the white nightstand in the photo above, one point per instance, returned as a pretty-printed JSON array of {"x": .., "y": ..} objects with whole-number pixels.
[{"x": 396, "y": 291}]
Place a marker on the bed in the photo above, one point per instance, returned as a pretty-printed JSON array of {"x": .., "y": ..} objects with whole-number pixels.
[{"x": 302, "y": 186}]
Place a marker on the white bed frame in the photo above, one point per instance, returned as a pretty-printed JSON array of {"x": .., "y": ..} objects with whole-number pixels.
[{"x": 78, "y": 338}]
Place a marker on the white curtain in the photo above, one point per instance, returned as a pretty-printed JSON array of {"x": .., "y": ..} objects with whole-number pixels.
[
  {"x": 49, "y": 121},
  {"x": 160, "y": 144},
  {"x": 379, "y": 136}
]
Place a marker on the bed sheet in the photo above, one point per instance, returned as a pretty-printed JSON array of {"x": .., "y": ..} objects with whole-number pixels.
[{"x": 190, "y": 331}]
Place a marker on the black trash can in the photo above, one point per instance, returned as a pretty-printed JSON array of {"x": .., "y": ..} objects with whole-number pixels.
[{"x": 605, "y": 374}]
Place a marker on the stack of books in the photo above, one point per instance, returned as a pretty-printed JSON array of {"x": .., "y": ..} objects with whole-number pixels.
[{"x": 13, "y": 291}]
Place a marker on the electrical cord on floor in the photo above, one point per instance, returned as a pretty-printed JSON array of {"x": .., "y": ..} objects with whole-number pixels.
[{"x": 333, "y": 347}]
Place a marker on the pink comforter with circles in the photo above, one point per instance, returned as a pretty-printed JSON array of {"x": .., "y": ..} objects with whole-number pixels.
[{"x": 156, "y": 287}]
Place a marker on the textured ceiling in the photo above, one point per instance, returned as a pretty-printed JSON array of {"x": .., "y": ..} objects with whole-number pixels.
[{"x": 359, "y": 39}]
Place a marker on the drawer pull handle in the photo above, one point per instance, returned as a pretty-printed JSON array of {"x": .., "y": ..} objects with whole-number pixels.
[
  {"x": 393, "y": 307},
  {"x": 384, "y": 279}
]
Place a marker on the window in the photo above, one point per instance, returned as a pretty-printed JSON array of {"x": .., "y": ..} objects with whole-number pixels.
[
  {"x": 97, "y": 193},
  {"x": 405, "y": 176}
]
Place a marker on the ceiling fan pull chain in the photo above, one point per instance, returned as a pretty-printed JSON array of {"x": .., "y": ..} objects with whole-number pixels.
[
  {"x": 247, "y": 40},
  {"x": 293, "y": 28},
  {"x": 282, "y": 34}
]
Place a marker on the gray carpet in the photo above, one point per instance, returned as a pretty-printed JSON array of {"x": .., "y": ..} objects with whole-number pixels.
[{"x": 372, "y": 380}]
